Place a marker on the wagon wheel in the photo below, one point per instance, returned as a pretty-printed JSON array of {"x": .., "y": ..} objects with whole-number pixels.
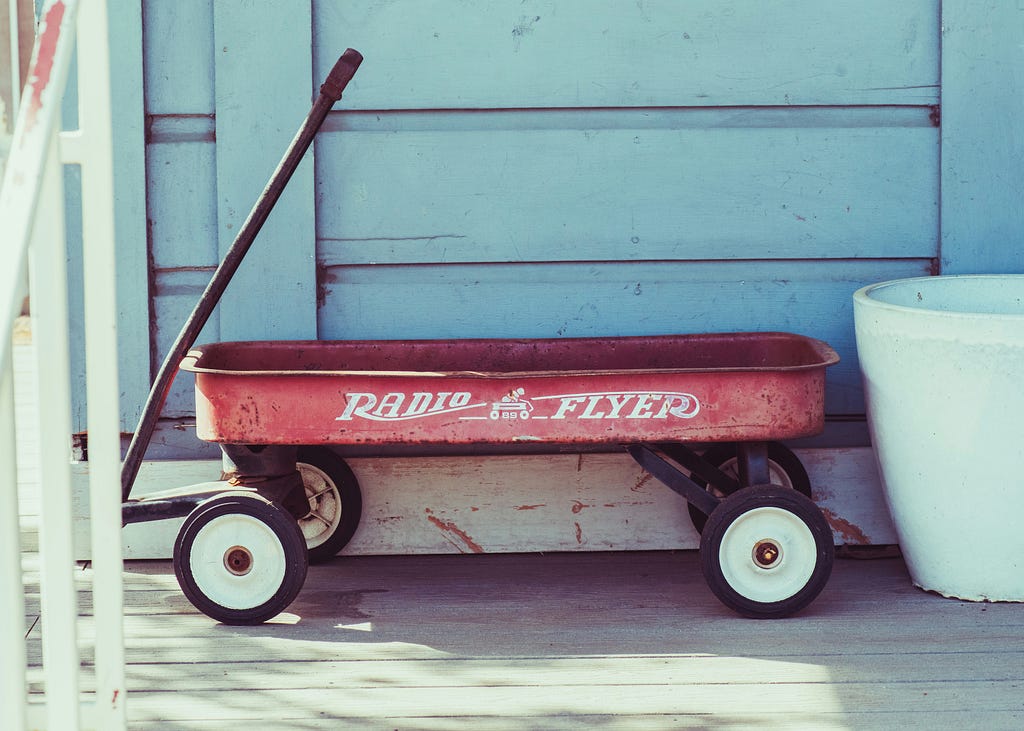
[
  {"x": 784, "y": 468},
  {"x": 335, "y": 502},
  {"x": 766, "y": 551},
  {"x": 239, "y": 559}
]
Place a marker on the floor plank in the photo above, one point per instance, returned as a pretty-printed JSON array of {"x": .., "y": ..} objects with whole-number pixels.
[
  {"x": 646, "y": 722},
  {"x": 589, "y": 671}
]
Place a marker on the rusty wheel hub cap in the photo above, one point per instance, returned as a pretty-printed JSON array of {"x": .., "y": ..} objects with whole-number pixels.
[
  {"x": 767, "y": 554},
  {"x": 238, "y": 560}
]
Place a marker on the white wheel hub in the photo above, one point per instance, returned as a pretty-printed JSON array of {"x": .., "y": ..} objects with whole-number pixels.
[
  {"x": 767, "y": 554},
  {"x": 324, "y": 514},
  {"x": 237, "y": 561}
]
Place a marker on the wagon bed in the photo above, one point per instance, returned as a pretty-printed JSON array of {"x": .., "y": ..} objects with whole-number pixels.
[{"x": 585, "y": 391}]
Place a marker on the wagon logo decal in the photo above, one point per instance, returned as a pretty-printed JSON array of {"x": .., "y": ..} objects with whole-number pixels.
[
  {"x": 624, "y": 405},
  {"x": 395, "y": 406},
  {"x": 515, "y": 405}
]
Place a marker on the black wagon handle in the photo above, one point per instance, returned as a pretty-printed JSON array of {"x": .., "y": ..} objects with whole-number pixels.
[
  {"x": 344, "y": 69},
  {"x": 330, "y": 92}
]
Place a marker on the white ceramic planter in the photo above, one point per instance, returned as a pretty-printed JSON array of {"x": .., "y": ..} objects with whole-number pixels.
[{"x": 943, "y": 366}]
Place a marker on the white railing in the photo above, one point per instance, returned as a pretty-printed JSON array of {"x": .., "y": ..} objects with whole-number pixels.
[{"x": 33, "y": 243}]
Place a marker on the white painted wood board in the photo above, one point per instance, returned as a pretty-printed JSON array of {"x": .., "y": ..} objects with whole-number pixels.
[{"x": 590, "y": 502}]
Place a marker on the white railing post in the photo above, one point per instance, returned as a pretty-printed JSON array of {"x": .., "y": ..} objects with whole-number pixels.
[
  {"x": 59, "y": 604},
  {"x": 102, "y": 386},
  {"x": 13, "y": 687}
]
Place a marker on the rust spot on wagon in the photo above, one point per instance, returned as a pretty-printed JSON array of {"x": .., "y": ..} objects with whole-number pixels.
[
  {"x": 450, "y": 529},
  {"x": 641, "y": 483},
  {"x": 849, "y": 532},
  {"x": 578, "y": 506}
]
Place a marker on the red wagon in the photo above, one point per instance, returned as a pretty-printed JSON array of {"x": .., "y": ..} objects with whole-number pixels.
[{"x": 286, "y": 413}]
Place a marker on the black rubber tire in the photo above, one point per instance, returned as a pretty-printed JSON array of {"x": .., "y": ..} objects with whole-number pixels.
[
  {"x": 787, "y": 590},
  {"x": 780, "y": 458},
  {"x": 344, "y": 492},
  {"x": 288, "y": 549}
]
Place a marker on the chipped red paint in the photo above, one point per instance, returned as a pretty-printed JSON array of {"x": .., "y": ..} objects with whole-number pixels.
[
  {"x": 642, "y": 482},
  {"x": 530, "y": 507},
  {"x": 43, "y": 64},
  {"x": 579, "y": 534},
  {"x": 850, "y": 533},
  {"x": 449, "y": 527},
  {"x": 577, "y": 506}
]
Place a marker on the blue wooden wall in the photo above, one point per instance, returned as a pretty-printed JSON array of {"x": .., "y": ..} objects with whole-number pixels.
[{"x": 567, "y": 168}]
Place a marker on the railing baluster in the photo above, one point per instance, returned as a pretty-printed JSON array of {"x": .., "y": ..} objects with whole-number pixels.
[
  {"x": 102, "y": 387},
  {"x": 48, "y": 283},
  {"x": 13, "y": 687}
]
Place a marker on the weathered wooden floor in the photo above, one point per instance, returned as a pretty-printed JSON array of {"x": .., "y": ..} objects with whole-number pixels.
[{"x": 596, "y": 640}]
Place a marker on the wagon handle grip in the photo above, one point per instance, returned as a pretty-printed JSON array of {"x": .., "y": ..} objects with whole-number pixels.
[{"x": 344, "y": 69}]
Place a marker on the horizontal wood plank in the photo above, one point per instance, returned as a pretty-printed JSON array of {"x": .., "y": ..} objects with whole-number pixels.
[
  {"x": 536, "y": 53},
  {"x": 661, "y": 185}
]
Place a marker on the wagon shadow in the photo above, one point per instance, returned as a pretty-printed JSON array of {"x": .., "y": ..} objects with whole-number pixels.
[{"x": 559, "y": 605}]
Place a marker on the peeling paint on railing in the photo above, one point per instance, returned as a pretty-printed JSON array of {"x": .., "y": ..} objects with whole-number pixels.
[{"x": 42, "y": 68}]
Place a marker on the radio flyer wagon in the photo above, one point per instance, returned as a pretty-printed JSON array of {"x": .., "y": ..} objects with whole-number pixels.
[{"x": 703, "y": 414}]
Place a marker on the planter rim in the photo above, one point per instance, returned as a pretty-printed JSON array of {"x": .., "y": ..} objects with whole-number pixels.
[{"x": 863, "y": 297}]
